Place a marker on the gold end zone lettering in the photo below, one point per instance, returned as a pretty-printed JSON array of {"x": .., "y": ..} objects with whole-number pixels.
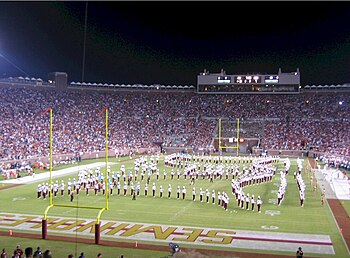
[
  {"x": 192, "y": 236},
  {"x": 157, "y": 231},
  {"x": 90, "y": 225},
  {"x": 133, "y": 230},
  {"x": 224, "y": 239},
  {"x": 17, "y": 220},
  {"x": 106, "y": 226},
  {"x": 159, "y": 234},
  {"x": 49, "y": 221},
  {"x": 117, "y": 229},
  {"x": 60, "y": 224}
]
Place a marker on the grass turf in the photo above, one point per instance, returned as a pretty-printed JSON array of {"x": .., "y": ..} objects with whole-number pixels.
[{"x": 312, "y": 218}]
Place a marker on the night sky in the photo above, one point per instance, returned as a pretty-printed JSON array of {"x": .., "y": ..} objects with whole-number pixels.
[{"x": 172, "y": 42}]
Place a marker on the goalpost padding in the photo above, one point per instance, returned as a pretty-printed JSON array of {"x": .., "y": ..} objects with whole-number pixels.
[{"x": 44, "y": 229}]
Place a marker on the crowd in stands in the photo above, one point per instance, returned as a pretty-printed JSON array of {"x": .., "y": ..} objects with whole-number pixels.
[{"x": 139, "y": 119}]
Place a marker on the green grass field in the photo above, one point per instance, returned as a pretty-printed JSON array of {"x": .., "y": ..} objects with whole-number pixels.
[
  {"x": 312, "y": 218},
  {"x": 61, "y": 249}
]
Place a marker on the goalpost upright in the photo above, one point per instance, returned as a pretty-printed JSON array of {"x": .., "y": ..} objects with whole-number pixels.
[{"x": 237, "y": 137}]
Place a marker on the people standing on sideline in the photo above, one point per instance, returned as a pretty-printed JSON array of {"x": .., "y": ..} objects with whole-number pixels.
[{"x": 300, "y": 253}]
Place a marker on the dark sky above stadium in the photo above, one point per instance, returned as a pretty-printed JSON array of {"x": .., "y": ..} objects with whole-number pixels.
[{"x": 172, "y": 42}]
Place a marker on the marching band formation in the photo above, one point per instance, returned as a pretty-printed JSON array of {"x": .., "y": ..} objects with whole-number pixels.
[{"x": 147, "y": 179}]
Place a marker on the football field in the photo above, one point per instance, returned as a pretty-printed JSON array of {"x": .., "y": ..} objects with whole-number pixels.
[{"x": 278, "y": 229}]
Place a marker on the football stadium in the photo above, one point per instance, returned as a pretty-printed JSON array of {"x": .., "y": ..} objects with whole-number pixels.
[
  {"x": 131, "y": 132},
  {"x": 131, "y": 169}
]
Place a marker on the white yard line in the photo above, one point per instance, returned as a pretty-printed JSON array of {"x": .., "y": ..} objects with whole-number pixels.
[{"x": 181, "y": 211}]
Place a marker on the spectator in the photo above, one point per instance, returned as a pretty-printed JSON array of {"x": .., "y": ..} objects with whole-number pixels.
[
  {"x": 47, "y": 254},
  {"x": 282, "y": 122},
  {"x": 28, "y": 252},
  {"x": 18, "y": 252},
  {"x": 3, "y": 254},
  {"x": 37, "y": 253},
  {"x": 299, "y": 253}
]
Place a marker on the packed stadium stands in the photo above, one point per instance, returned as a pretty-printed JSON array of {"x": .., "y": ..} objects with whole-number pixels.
[{"x": 138, "y": 119}]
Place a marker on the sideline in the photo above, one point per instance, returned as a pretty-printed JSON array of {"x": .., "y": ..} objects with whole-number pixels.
[
  {"x": 57, "y": 173},
  {"x": 332, "y": 181},
  {"x": 199, "y": 252},
  {"x": 196, "y": 236},
  {"x": 325, "y": 178}
]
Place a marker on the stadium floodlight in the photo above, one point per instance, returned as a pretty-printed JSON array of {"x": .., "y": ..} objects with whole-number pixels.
[{"x": 6, "y": 59}]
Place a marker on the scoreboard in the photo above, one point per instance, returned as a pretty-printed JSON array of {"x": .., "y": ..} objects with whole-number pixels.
[
  {"x": 247, "y": 79},
  {"x": 248, "y": 83}
]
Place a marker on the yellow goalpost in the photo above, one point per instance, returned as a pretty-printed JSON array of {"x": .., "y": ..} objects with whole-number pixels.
[
  {"x": 237, "y": 137},
  {"x": 52, "y": 204}
]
